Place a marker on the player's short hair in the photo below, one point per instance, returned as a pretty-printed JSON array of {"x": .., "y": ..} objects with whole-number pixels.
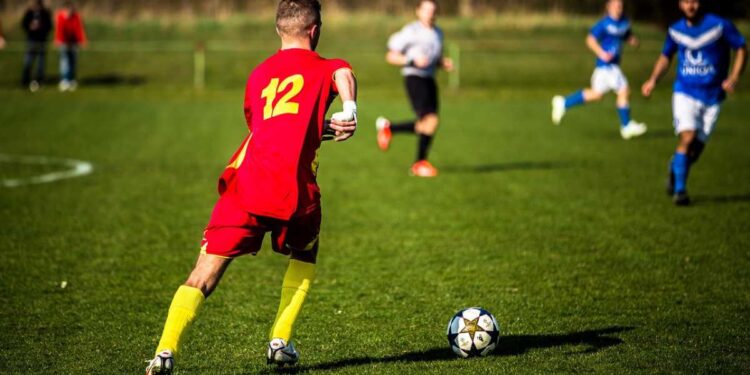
[
  {"x": 296, "y": 17},
  {"x": 419, "y": 2}
]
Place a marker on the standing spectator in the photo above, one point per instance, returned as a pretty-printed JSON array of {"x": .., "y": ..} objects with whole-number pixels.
[
  {"x": 37, "y": 24},
  {"x": 2, "y": 36},
  {"x": 69, "y": 34}
]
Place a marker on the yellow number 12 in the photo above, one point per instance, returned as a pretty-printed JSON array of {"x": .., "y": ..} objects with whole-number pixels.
[{"x": 284, "y": 106}]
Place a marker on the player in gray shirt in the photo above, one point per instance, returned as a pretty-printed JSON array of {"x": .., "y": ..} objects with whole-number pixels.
[{"x": 418, "y": 49}]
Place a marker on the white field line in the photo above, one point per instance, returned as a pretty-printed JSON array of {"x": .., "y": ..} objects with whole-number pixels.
[{"x": 75, "y": 168}]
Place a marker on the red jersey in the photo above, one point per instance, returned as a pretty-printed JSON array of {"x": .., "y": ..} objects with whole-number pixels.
[
  {"x": 69, "y": 28},
  {"x": 273, "y": 173}
]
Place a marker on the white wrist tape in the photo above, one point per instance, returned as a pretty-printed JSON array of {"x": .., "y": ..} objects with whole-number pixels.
[
  {"x": 350, "y": 106},
  {"x": 348, "y": 114}
]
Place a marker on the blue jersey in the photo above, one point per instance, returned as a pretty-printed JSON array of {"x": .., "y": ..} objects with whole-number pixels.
[
  {"x": 703, "y": 54},
  {"x": 610, "y": 34}
]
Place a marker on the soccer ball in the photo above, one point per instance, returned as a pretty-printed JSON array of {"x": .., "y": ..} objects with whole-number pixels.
[{"x": 473, "y": 332}]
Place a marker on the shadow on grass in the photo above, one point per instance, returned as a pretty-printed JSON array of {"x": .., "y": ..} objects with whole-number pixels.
[
  {"x": 504, "y": 167},
  {"x": 108, "y": 79},
  {"x": 720, "y": 199},
  {"x": 594, "y": 340},
  {"x": 113, "y": 79},
  {"x": 660, "y": 133}
]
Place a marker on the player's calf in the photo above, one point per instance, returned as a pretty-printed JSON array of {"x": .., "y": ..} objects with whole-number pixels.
[{"x": 428, "y": 124}]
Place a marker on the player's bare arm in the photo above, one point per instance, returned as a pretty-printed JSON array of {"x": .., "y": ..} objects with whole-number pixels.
[
  {"x": 740, "y": 62},
  {"x": 660, "y": 68},
  {"x": 346, "y": 84},
  {"x": 595, "y": 47},
  {"x": 399, "y": 59}
]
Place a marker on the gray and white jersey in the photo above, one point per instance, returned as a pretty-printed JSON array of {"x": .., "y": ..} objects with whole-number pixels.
[{"x": 415, "y": 40}]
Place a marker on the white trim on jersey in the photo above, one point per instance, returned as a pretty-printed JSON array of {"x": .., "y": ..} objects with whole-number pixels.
[{"x": 700, "y": 41}]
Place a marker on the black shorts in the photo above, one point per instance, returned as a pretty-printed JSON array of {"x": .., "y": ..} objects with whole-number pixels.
[{"x": 423, "y": 94}]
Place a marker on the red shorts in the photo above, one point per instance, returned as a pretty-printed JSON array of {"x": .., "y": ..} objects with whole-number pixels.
[{"x": 233, "y": 232}]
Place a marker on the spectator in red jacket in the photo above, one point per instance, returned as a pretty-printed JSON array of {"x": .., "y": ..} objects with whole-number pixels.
[{"x": 69, "y": 35}]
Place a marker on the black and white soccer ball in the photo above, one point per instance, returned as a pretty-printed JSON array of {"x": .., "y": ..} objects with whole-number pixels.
[{"x": 473, "y": 332}]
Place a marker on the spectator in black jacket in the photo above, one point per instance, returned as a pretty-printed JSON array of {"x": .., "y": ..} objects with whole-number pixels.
[{"x": 37, "y": 23}]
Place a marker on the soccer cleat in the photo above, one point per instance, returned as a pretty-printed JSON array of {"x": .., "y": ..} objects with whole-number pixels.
[
  {"x": 162, "y": 364},
  {"x": 423, "y": 168},
  {"x": 558, "y": 109},
  {"x": 633, "y": 129},
  {"x": 383, "y": 127},
  {"x": 64, "y": 85},
  {"x": 280, "y": 353},
  {"x": 681, "y": 199}
]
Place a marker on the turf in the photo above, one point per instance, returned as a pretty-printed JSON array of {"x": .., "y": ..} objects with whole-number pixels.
[{"x": 565, "y": 234}]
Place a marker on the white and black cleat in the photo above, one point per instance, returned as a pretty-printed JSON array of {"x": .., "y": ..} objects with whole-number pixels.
[
  {"x": 558, "y": 109},
  {"x": 632, "y": 130},
  {"x": 162, "y": 364},
  {"x": 280, "y": 353}
]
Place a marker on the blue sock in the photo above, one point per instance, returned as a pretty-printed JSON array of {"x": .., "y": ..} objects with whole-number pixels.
[
  {"x": 680, "y": 166},
  {"x": 574, "y": 99},
  {"x": 624, "y": 113}
]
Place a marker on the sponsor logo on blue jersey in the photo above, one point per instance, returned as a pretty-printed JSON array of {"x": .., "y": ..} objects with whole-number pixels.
[{"x": 703, "y": 54}]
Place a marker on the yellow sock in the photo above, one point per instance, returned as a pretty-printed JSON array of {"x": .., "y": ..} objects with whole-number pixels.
[
  {"x": 297, "y": 280},
  {"x": 184, "y": 306}
]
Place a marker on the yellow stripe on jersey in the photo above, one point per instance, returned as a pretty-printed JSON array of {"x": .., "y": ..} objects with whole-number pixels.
[{"x": 237, "y": 162}]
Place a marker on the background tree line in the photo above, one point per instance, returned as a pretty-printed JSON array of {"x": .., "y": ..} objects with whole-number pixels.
[{"x": 651, "y": 10}]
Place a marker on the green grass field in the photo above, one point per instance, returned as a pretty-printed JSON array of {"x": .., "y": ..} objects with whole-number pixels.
[{"x": 565, "y": 234}]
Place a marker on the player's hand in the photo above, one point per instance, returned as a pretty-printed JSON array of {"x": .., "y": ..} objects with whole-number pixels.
[
  {"x": 634, "y": 41},
  {"x": 729, "y": 85},
  {"x": 421, "y": 61},
  {"x": 448, "y": 64},
  {"x": 343, "y": 130},
  {"x": 606, "y": 56},
  {"x": 648, "y": 88},
  {"x": 2, "y": 42}
]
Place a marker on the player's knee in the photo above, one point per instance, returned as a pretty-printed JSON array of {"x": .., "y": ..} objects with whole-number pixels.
[
  {"x": 686, "y": 139},
  {"x": 200, "y": 281},
  {"x": 429, "y": 124},
  {"x": 206, "y": 274},
  {"x": 592, "y": 96},
  {"x": 623, "y": 97}
]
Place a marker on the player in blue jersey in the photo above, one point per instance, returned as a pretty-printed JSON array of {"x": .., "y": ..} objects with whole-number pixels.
[
  {"x": 703, "y": 43},
  {"x": 605, "y": 40}
]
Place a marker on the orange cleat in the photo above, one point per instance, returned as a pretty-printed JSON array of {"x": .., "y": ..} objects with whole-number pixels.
[
  {"x": 384, "y": 133},
  {"x": 423, "y": 168}
]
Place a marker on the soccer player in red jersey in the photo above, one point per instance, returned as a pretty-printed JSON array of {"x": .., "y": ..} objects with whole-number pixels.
[{"x": 270, "y": 182}]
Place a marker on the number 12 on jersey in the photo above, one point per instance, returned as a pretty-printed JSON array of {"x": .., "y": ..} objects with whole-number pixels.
[{"x": 284, "y": 106}]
